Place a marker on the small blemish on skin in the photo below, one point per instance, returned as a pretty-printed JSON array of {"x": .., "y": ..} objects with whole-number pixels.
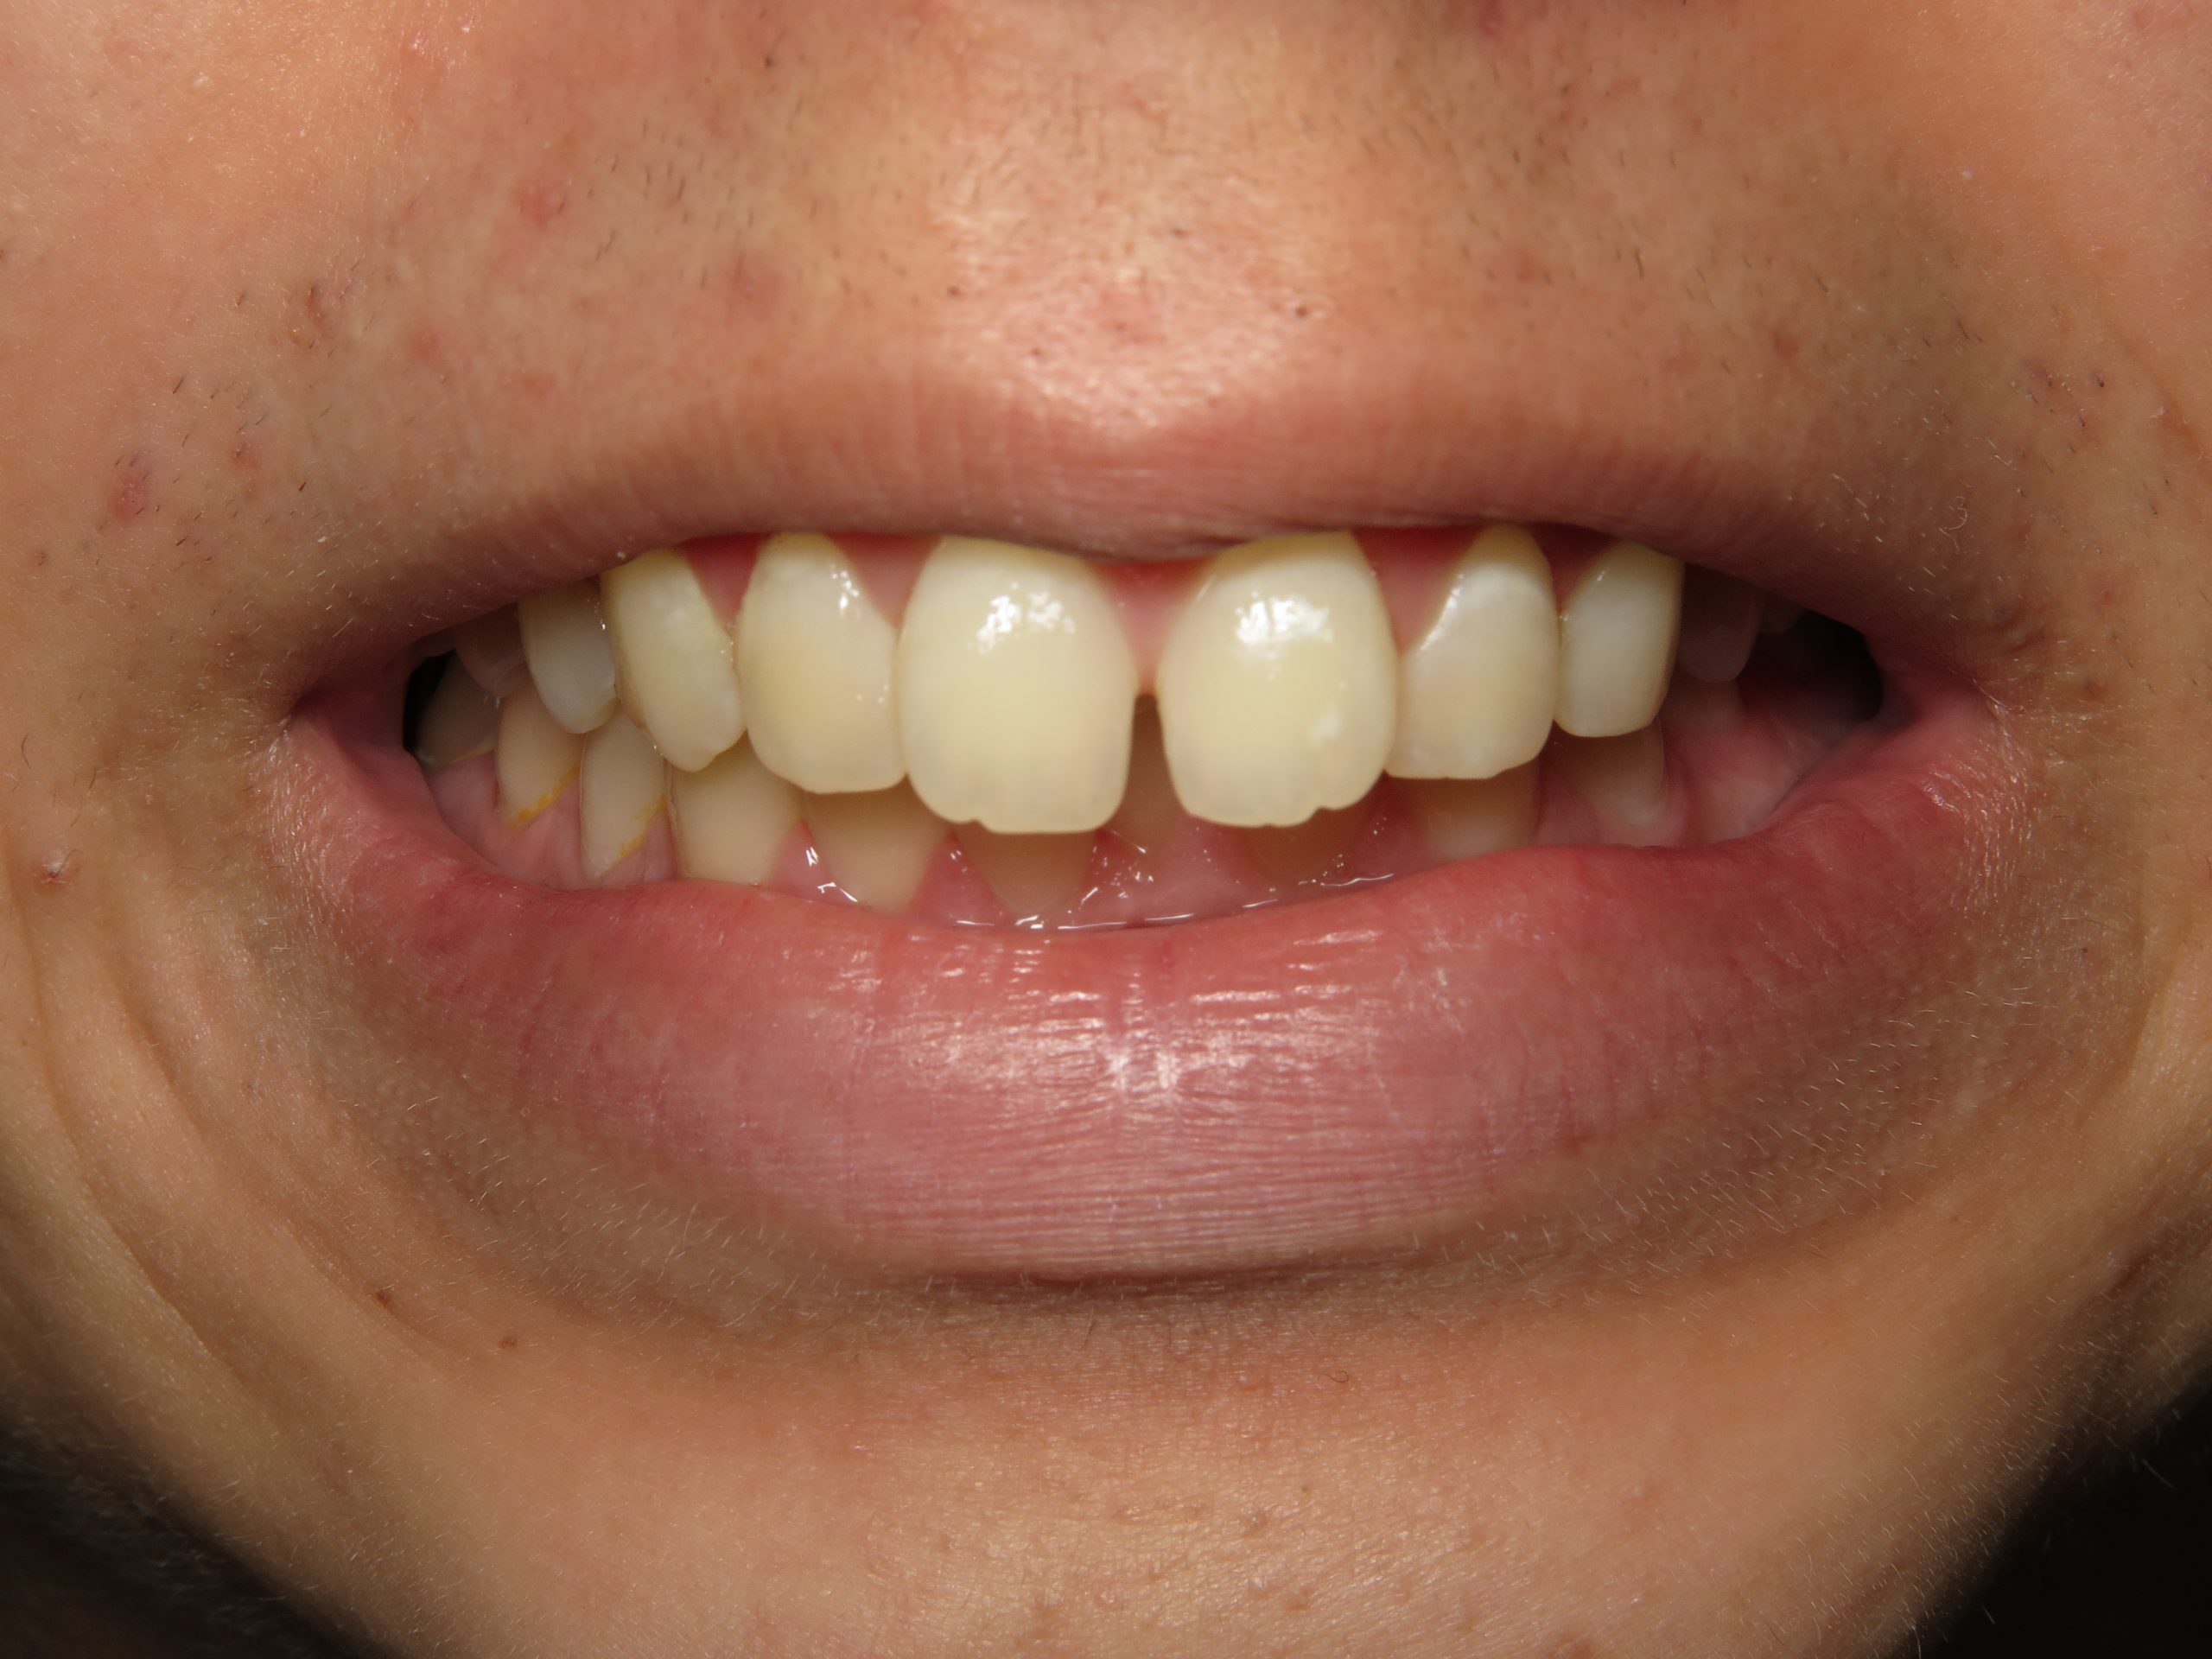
[
  {"x": 58, "y": 869},
  {"x": 133, "y": 489}
]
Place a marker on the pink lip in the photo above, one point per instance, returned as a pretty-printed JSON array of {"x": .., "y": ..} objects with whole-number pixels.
[{"x": 1360, "y": 1076}]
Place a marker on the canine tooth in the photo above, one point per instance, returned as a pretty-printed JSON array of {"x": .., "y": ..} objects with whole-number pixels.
[
  {"x": 1298, "y": 854},
  {"x": 571, "y": 660},
  {"x": 1016, "y": 689},
  {"x": 1471, "y": 817},
  {"x": 1278, "y": 684},
  {"x": 622, "y": 788},
  {"x": 732, "y": 818},
  {"x": 877, "y": 847},
  {"x": 461, "y": 722},
  {"x": 678, "y": 677},
  {"x": 490, "y": 648},
  {"x": 1034, "y": 876},
  {"x": 1477, "y": 695},
  {"x": 1720, "y": 624},
  {"x": 815, "y": 658},
  {"x": 1616, "y": 641},
  {"x": 1623, "y": 778},
  {"x": 536, "y": 757}
]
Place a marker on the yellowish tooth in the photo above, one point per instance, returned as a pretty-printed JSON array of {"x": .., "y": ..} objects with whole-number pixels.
[
  {"x": 571, "y": 659},
  {"x": 490, "y": 648},
  {"x": 1472, "y": 817},
  {"x": 1477, "y": 695},
  {"x": 536, "y": 759},
  {"x": 1623, "y": 778},
  {"x": 461, "y": 722},
  {"x": 815, "y": 656},
  {"x": 1300, "y": 853},
  {"x": 677, "y": 668},
  {"x": 877, "y": 847},
  {"x": 622, "y": 788},
  {"x": 1616, "y": 641},
  {"x": 732, "y": 818},
  {"x": 1035, "y": 877},
  {"x": 1278, "y": 683},
  {"x": 1720, "y": 624},
  {"x": 1016, "y": 689}
]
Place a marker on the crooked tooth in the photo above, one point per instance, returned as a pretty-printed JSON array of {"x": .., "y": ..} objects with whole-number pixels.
[
  {"x": 571, "y": 660},
  {"x": 1035, "y": 877},
  {"x": 1472, "y": 817},
  {"x": 815, "y": 658},
  {"x": 1720, "y": 624},
  {"x": 536, "y": 757},
  {"x": 677, "y": 673},
  {"x": 490, "y": 648},
  {"x": 1278, "y": 684},
  {"x": 1624, "y": 778},
  {"x": 732, "y": 818},
  {"x": 461, "y": 722},
  {"x": 1016, "y": 689},
  {"x": 622, "y": 788},
  {"x": 1477, "y": 693},
  {"x": 1616, "y": 641},
  {"x": 877, "y": 847}
]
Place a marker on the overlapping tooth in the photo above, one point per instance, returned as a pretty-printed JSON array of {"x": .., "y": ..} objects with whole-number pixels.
[
  {"x": 1035, "y": 877},
  {"x": 815, "y": 658},
  {"x": 571, "y": 659},
  {"x": 877, "y": 847},
  {"x": 677, "y": 666},
  {"x": 536, "y": 756},
  {"x": 1278, "y": 683},
  {"x": 1720, "y": 625},
  {"x": 1616, "y": 641},
  {"x": 621, "y": 789},
  {"x": 461, "y": 722},
  {"x": 1478, "y": 693},
  {"x": 732, "y": 818},
  {"x": 1473, "y": 817},
  {"x": 490, "y": 648},
  {"x": 1016, "y": 687}
]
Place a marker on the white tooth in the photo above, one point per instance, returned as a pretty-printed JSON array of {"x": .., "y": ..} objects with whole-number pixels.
[
  {"x": 1616, "y": 641},
  {"x": 877, "y": 847},
  {"x": 815, "y": 658},
  {"x": 461, "y": 722},
  {"x": 1468, "y": 818},
  {"x": 678, "y": 673},
  {"x": 565, "y": 636},
  {"x": 1720, "y": 624},
  {"x": 622, "y": 788},
  {"x": 1035, "y": 877},
  {"x": 732, "y": 818},
  {"x": 490, "y": 648},
  {"x": 1278, "y": 685},
  {"x": 1623, "y": 778},
  {"x": 536, "y": 757},
  {"x": 1016, "y": 689},
  {"x": 1477, "y": 696}
]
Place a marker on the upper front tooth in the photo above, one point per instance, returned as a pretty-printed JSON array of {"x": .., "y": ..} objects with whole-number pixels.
[
  {"x": 1016, "y": 689},
  {"x": 1278, "y": 683},
  {"x": 679, "y": 678},
  {"x": 565, "y": 636},
  {"x": 1477, "y": 696},
  {"x": 1616, "y": 641},
  {"x": 815, "y": 656}
]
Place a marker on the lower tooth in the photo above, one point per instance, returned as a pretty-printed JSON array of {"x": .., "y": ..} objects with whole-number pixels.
[
  {"x": 1477, "y": 695},
  {"x": 877, "y": 847},
  {"x": 461, "y": 722},
  {"x": 678, "y": 676},
  {"x": 1313, "y": 851},
  {"x": 1720, "y": 624},
  {"x": 1035, "y": 877},
  {"x": 1616, "y": 641},
  {"x": 622, "y": 788},
  {"x": 732, "y": 818},
  {"x": 1624, "y": 779},
  {"x": 571, "y": 659},
  {"x": 1471, "y": 818},
  {"x": 535, "y": 760}
]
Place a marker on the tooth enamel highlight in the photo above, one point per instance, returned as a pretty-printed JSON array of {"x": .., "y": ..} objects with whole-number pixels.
[
  {"x": 877, "y": 847},
  {"x": 1720, "y": 624},
  {"x": 571, "y": 659},
  {"x": 815, "y": 658},
  {"x": 1278, "y": 685},
  {"x": 732, "y": 818},
  {"x": 677, "y": 673},
  {"x": 461, "y": 722},
  {"x": 621, "y": 791},
  {"x": 1035, "y": 877},
  {"x": 1477, "y": 695},
  {"x": 1623, "y": 778},
  {"x": 1016, "y": 689},
  {"x": 1616, "y": 641},
  {"x": 490, "y": 648},
  {"x": 534, "y": 759},
  {"x": 1470, "y": 818}
]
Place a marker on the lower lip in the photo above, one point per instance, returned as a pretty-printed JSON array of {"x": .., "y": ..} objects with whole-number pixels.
[{"x": 1358, "y": 1076}]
